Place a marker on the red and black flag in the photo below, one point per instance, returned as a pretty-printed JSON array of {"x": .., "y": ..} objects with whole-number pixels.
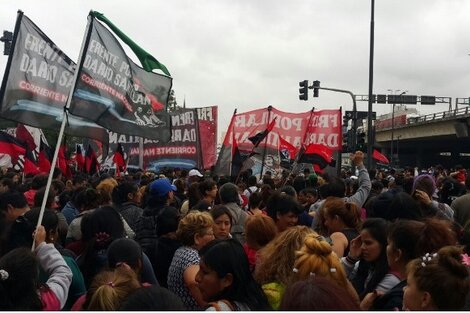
[
  {"x": 317, "y": 154},
  {"x": 91, "y": 162},
  {"x": 118, "y": 159},
  {"x": 380, "y": 157},
  {"x": 45, "y": 157},
  {"x": 238, "y": 157},
  {"x": 23, "y": 134},
  {"x": 30, "y": 166},
  {"x": 11, "y": 146},
  {"x": 259, "y": 137},
  {"x": 79, "y": 159},
  {"x": 287, "y": 153}
]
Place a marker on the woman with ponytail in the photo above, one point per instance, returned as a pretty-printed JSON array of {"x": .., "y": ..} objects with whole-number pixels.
[
  {"x": 342, "y": 219},
  {"x": 316, "y": 258},
  {"x": 437, "y": 281}
]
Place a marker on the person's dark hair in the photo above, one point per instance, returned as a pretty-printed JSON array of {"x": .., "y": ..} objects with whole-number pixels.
[
  {"x": 252, "y": 181},
  {"x": 120, "y": 192},
  {"x": 15, "y": 199},
  {"x": 39, "y": 196},
  {"x": 167, "y": 220},
  {"x": 229, "y": 193},
  {"x": 22, "y": 230},
  {"x": 206, "y": 185},
  {"x": 254, "y": 200},
  {"x": 79, "y": 178},
  {"x": 87, "y": 199},
  {"x": 282, "y": 204},
  {"x": 124, "y": 250},
  {"x": 403, "y": 207},
  {"x": 317, "y": 294},
  {"x": 378, "y": 229},
  {"x": 450, "y": 190},
  {"x": 289, "y": 190},
  {"x": 9, "y": 183},
  {"x": 228, "y": 257},
  {"x": 299, "y": 183},
  {"x": 99, "y": 228},
  {"x": 193, "y": 194},
  {"x": 58, "y": 185},
  {"x": 19, "y": 291},
  {"x": 334, "y": 188},
  {"x": 220, "y": 210},
  {"x": 154, "y": 298},
  {"x": 415, "y": 238},
  {"x": 39, "y": 181}
]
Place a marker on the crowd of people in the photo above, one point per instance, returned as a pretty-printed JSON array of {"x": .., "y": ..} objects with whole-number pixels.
[{"x": 181, "y": 240}]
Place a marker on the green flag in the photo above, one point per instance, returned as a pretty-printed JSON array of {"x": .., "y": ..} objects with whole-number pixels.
[{"x": 148, "y": 61}]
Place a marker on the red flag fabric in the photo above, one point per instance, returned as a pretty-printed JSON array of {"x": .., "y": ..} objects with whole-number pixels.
[
  {"x": 287, "y": 150},
  {"x": 61, "y": 160},
  {"x": 118, "y": 159},
  {"x": 11, "y": 146},
  {"x": 23, "y": 134},
  {"x": 317, "y": 154},
  {"x": 29, "y": 166},
  {"x": 44, "y": 157},
  {"x": 380, "y": 157},
  {"x": 91, "y": 162},
  {"x": 259, "y": 137}
]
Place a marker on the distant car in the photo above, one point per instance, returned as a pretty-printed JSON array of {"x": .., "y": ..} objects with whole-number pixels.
[{"x": 131, "y": 169}]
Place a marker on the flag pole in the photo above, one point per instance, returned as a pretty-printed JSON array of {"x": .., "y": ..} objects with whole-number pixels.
[
  {"x": 265, "y": 139},
  {"x": 86, "y": 38},
  {"x": 301, "y": 151}
]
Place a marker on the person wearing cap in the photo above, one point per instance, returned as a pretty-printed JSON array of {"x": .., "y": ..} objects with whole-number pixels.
[
  {"x": 194, "y": 176},
  {"x": 161, "y": 193}
]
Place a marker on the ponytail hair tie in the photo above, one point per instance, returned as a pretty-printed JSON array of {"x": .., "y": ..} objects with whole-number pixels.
[{"x": 4, "y": 275}]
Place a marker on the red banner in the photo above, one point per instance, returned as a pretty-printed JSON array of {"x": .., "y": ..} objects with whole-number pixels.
[
  {"x": 318, "y": 127},
  {"x": 208, "y": 135}
]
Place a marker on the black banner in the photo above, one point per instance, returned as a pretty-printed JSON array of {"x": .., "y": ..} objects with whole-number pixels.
[
  {"x": 37, "y": 82},
  {"x": 116, "y": 93}
]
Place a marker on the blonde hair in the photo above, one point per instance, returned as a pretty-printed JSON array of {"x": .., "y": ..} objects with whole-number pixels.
[
  {"x": 107, "y": 185},
  {"x": 193, "y": 223},
  {"x": 110, "y": 288},
  {"x": 278, "y": 256},
  {"x": 316, "y": 257}
]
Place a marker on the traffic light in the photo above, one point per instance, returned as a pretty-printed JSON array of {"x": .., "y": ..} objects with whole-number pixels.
[
  {"x": 361, "y": 142},
  {"x": 6, "y": 39},
  {"x": 303, "y": 90},
  {"x": 345, "y": 143},
  {"x": 316, "y": 85},
  {"x": 345, "y": 120}
]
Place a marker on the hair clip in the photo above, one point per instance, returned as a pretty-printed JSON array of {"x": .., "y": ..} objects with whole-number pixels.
[
  {"x": 295, "y": 270},
  {"x": 427, "y": 258},
  {"x": 333, "y": 270},
  {"x": 312, "y": 274},
  {"x": 111, "y": 284},
  {"x": 465, "y": 259},
  {"x": 4, "y": 275}
]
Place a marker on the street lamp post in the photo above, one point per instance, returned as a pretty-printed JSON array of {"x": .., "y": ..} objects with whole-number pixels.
[{"x": 398, "y": 152}]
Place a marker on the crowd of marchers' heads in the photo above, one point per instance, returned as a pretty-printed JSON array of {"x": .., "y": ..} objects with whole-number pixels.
[{"x": 184, "y": 240}]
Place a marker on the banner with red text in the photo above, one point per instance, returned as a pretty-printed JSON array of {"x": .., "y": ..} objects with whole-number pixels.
[
  {"x": 192, "y": 144},
  {"x": 323, "y": 127},
  {"x": 36, "y": 85}
]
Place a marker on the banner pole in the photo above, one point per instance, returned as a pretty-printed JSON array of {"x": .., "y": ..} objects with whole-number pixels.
[
  {"x": 62, "y": 129},
  {"x": 265, "y": 139}
]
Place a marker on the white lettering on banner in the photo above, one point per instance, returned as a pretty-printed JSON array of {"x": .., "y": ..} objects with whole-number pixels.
[
  {"x": 183, "y": 135},
  {"x": 45, "y": 50},
  {"x": 205, "y": 114},
  {"x": 98, "y": 49},
  {"x": 186, "y": 118},
  {"x": 98, "y": 68},
  {"x": 329, "y": 140},
  {"x": 43, "y": 70}
]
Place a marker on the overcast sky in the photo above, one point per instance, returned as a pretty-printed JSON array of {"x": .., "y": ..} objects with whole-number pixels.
[{"x": 250, "y": 54}]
